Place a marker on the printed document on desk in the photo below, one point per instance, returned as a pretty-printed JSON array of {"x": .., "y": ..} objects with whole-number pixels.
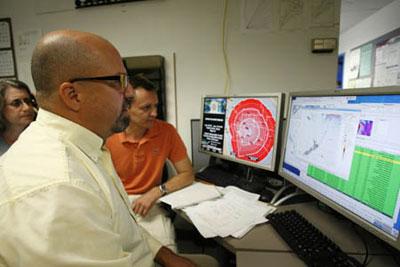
[
  {"x": 231, "y": 215},
  {"x": 190, "y": 195},
  {"x": 239, "y": 192}
]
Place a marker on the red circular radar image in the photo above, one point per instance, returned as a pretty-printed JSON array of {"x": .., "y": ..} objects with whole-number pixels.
[{"x": 252, "y": 129}]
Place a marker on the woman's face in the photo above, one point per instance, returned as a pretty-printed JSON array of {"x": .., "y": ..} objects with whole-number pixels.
[{"x": 18, "y": 109}]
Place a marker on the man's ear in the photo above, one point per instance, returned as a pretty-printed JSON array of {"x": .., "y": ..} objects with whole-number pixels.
[{"x": 70, "y": 96}]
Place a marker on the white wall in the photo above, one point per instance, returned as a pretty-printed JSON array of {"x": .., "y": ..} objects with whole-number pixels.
[
  {"x": 259, "y": 61},
  {"x": 383, "y": 21}
]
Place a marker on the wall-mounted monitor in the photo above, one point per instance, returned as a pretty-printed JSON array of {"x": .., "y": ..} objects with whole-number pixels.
[
  {"x": 343, "y": 148},
  {"x": 242, "y": 129}
]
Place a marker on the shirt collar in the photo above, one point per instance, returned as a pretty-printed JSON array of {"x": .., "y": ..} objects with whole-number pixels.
[
  {"x": 89, "y": 142},
  {"x": 150, "y": 133}
]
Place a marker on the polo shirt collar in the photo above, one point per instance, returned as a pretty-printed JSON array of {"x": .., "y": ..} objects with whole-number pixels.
[
  {"x": 150, "y": 133},
  {"x": 89, "y": 142}
]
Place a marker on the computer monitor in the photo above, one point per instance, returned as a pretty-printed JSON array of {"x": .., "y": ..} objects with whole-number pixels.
[
  {"x": 242, "y": 129},
  {"x": 199, "y": 160},
  {"x": 343, "y": 148}
]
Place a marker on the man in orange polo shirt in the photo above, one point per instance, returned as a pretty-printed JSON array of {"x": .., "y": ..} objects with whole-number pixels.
[{"x": 139, "y": 154}]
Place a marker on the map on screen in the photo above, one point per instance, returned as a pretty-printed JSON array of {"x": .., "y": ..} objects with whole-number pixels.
[{"x": 241, "y": 128}]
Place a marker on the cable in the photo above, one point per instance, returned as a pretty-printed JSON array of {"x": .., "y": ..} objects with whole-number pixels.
[
  {"x": 227, "y": 71},
  {"x": 365, "y": 262},
  {"x": 279, "y": 192},
  {"x": 280, "y": 201},
  {"x": 391, "y": 250},
  {"x": 175, "y": 90}
]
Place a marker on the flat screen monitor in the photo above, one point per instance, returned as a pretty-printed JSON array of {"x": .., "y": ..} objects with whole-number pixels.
[
  {"x": 199, "y": 160},
  {"x": 242, "y": 129},
  {"x": 343, "y": 147}
]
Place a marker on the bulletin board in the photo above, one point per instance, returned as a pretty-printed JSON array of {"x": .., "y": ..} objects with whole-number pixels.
[
  {"x": 7, "y": 54},
  {"x": 375, "y": 63}
]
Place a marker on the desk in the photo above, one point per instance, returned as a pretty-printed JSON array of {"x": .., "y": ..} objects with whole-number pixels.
[{"x": 263, "y": 245}]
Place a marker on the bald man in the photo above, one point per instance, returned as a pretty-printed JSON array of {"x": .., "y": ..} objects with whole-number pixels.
[{"x": 61, "y": 201}]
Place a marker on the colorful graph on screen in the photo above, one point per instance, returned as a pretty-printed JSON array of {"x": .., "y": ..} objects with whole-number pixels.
[{"x": 250, "y": 128}]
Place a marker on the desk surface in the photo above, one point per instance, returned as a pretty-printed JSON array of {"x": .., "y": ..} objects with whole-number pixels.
[
  {"x": 262, "y": 244},
  {"x": 263, "y": 237},
  {"x": 252, "y": 258}
]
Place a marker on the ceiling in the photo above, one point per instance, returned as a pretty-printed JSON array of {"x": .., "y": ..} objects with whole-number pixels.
[{"x": 354, "y": 11}]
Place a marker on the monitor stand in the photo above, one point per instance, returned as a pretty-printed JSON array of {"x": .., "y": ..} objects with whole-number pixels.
[
  {"x": 224, "y": 172},
  {"x": 251, "y": 183},
  {"x": 219, "y": 172}
]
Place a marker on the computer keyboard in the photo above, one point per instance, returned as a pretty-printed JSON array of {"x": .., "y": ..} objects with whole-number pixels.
[{"x": 310, "y": 245}]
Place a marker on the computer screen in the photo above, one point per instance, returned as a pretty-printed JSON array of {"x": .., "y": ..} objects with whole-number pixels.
[
  {"x": 243, "y": 129},
  {"x": 199, "y": 160},
  {"x": 343, "y": 147}
]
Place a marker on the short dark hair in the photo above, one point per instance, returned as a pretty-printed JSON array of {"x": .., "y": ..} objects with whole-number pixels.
[
  {"x": 4, "y": 85},
  {"x": 141, "y": 81}
]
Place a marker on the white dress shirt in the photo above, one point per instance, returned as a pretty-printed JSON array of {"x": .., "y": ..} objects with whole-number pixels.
[
  {"x": 3, "y": 146},
  {"x": 62, "y": 203}
]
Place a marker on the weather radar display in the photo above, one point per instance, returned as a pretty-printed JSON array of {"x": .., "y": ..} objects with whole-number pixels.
[
  {"x": 250, "y": 127},
  {"x": 241, "y": 128}
]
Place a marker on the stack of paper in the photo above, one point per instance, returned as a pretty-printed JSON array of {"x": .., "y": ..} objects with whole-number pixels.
[
  {"x": 233, "y": 214},
  {"x": 190, "y": 195}
]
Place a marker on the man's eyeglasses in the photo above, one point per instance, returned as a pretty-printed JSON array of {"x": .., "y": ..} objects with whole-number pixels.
[
  {"x": 16, "y": 103},
  {"x": 121, "y": 78}
]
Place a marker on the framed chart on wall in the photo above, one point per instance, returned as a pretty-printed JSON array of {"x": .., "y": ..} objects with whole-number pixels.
[
  {"x": 7, "y": 54},
  {"x": 375, "y": 63}
]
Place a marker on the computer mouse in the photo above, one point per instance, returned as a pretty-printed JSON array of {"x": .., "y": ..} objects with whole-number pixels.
[{"x": 266, "y": 195}]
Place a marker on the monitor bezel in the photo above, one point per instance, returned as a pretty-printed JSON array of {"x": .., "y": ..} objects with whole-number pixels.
[
  {"x": 278, "y": 129},
  {"x": 393, "y": 90}
]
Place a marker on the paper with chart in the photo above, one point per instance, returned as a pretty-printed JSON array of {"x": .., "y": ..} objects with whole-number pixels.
[
  {"x": 190, "y": 195},
  {"x": 239, "y": 192},
  {"x": 6, "y": 63},
  {"x": 5, "y": 34},
  {"x": 257, "y": 15},
  {"x": 322, "y": 13},
  {"x": 230, "y": 215},
  {"x": 354, "y": 63},
  {"x": 387, "y": 66},
  {"x": 291, "y": 14}
]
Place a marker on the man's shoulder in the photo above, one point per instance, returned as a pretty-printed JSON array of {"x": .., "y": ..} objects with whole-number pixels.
[
  {"x": 37, "y": 162},
  {"x": 165, "y": 126},
  {"x": 114, "y": 139},
  {"x": 34, "y": 161},
  {"x": 116, "y": 135}
]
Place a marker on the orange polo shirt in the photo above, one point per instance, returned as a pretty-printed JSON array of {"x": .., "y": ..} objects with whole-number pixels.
[{"x": 140, "y": 164}]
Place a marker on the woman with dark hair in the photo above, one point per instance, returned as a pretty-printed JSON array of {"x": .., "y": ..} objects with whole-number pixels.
[{"x": 18, "y": 109}]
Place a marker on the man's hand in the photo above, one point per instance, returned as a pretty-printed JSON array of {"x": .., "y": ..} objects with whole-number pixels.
[
  {"x": 168, "y": 258},
  {"x": 143, "y": 204}
]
